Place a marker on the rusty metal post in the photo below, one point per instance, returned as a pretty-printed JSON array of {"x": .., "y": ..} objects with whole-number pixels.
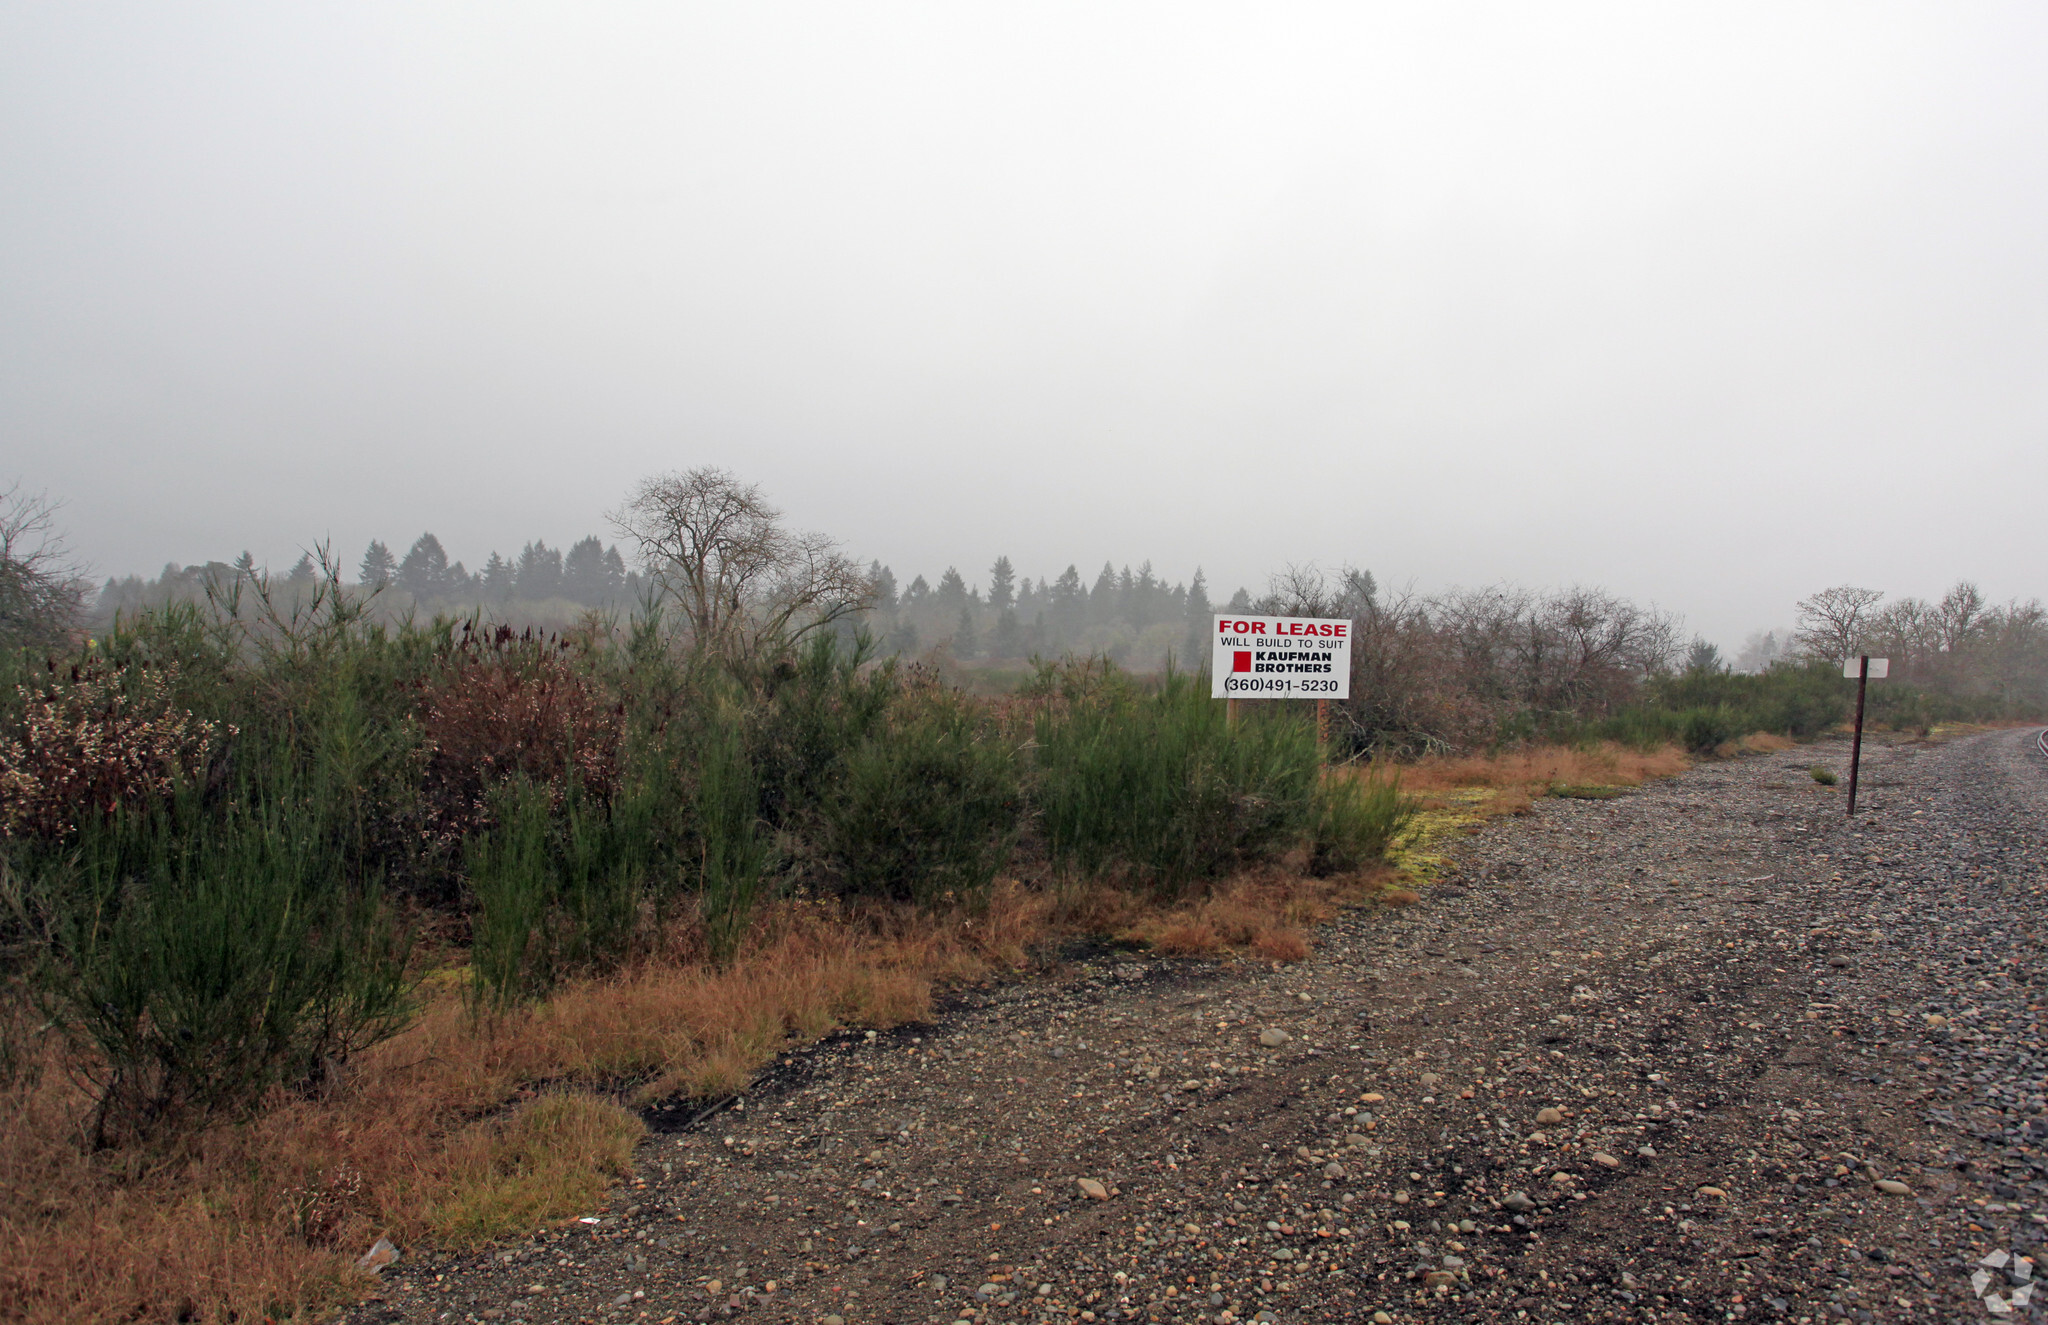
[{"x": 1856, "y": 742}]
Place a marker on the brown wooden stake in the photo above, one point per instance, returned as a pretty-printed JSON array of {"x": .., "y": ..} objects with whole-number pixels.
[
  {"x": 1230, "y": 711},
  {"x": 1323, "y": 728},
  {"x": 1856, "y": 742}
]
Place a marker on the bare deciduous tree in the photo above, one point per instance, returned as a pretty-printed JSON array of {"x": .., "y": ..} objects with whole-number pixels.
[
  {"x": 1832, "y": 622},
  {"x": 1958, "y": 614},
  {"x": 41, "y": 590},
  {"x": 714, "y": 547}
]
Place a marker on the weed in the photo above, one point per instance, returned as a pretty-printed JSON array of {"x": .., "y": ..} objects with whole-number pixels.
[{"x": 1823, "y": 775}]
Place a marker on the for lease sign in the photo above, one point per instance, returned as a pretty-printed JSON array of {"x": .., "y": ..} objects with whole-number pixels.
[{"x": 1279, "y": 657}]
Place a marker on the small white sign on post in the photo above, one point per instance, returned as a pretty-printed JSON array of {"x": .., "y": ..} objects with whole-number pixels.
[
  {"x": 1253, "y": 656},
  {"x": 1879, "y": 668}
]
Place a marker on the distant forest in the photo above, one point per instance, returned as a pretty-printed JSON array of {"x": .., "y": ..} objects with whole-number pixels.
[{"x": 1133, "y": 616}]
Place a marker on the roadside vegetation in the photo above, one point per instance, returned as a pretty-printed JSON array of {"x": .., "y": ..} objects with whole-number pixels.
[
  {"x": 320, "y": 922},
  {"x": 319, "y": 927}
]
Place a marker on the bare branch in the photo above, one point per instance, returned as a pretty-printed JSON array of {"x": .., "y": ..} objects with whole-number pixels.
[{"x": 715, "y": 547}]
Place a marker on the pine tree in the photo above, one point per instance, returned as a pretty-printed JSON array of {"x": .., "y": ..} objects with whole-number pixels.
[
  {"x": 378, "y": 566},
  {"x": 540, "y": 572},
  {"x": 616, "y": 588},
  {"x": 903, "y": 639},
  {"x": 1002, "y": 578},
  {"x": 1201, "y": 620},
  {"x": 1069, "y": 602},
  {"x": 965, "y": 645},
  {"x": 424, "y": 572},
  {"x": 952, "y": 590},
  {"x": 1008, "y": 639},
  {"x": 496, "y": 579},
  {"x": 917, "y": 592},
  {"x": 1102, "y": 598},
  {"x": 245, "y": 565},
  {"x": 303, "y": 570},
  {"x": 1241, "y": 601},
  {"x": 583, "y": 573},
  {"x": 885, "y": 586}
]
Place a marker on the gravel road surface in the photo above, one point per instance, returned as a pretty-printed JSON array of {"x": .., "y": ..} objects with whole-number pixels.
[{"x": 1707, "y": 1051}]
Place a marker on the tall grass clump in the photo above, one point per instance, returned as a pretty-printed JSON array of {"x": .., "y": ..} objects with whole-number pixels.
[
  {"x": 1159, "y": 787},
  {"x": 1358, "y": 820}
]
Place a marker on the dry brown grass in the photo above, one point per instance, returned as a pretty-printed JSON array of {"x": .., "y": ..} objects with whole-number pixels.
[
  {"x": 458, "y": 1131},
  {"x": 1541, "y": 767}
]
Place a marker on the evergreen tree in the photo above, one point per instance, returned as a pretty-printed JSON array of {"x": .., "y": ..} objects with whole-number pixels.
[
  {"x": 1001, "y": 584},
  {"x": 461, "y": 584},
  {"x": 1008, "y": 639},
  {"x": 1037, "y": 640},
  {"x": 1069, "y": 601},
  {"x": 1102, "y": 603},
  {"x": 917, "y": 592},
  {"x": 903, "y": 639},
  {"x": 1241, "y": 601},
  {"x": 496, "y": 579},
  {"x": 1145, "y": 594},
  {"x": 1201, "y": 620},
  {"x": 585, "y": 577},
  {"x": 540, "y": 572},
  {"x": 378, "y": 566},
  {"x": 424, "y": 572},
  {"x": 965, "y": 645},
  {"x": 952, "y": 590},
  {"x": 618, "y": 584},
  {"x": 885, "y": 586},
  {"x": 1027, "y": 597},
  {"x": 245, "y": 565},
  {"x": 303, "y": 570}
]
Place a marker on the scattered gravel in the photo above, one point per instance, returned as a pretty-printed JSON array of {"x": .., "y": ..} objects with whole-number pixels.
[{"x": 1703, "y": 1052}]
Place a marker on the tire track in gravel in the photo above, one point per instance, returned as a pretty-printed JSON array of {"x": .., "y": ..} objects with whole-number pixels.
[{"x": 1639, "y": 1059}]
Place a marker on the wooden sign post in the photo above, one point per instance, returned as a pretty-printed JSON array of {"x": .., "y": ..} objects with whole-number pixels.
[{"x": 1864, "y": 668}]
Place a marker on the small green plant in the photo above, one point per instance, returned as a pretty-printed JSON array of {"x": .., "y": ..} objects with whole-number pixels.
[
  {"x": 1589, "y": 791},
  {"x": 1825, "y": 776}
]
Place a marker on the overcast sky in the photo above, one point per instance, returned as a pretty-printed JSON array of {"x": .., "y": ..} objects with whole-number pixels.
[{"x": 1712, "y": 306}]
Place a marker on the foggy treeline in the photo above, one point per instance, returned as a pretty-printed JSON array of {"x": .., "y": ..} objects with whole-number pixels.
[
  {"x": 1457, "y": 669},
  {"x": 1134, "y": 618},
  {"x": 541, "y": 584}
]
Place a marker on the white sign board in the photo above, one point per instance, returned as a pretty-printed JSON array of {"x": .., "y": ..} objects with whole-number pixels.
[
  {"x": 1853, "y": 668},
  {"x": 1252, "y": 656}
]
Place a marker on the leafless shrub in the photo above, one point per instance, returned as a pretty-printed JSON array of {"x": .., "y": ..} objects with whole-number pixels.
[
  {"x": 41, "y": 591},
  {"x": 1465, "y": 668}
]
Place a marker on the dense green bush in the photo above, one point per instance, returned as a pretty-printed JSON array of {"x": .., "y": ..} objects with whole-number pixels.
[
  {"x": 927, "y": 807},
  {"x": 200, "y": 963},
  {"x": 1158, "y": 787}
]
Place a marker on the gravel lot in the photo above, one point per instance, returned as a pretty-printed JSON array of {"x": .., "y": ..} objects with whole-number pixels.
[{"x": 1702, "y": 1052}]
